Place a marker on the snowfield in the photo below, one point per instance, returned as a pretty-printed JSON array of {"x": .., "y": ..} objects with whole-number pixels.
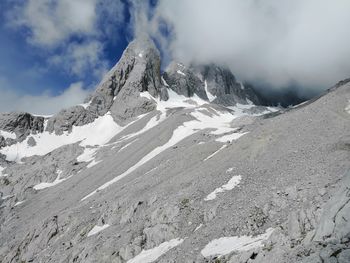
[
  {"x": 96, "y": 229},
  {"x": 7, "y": 135},
  {"x": 46, "y": 142},
  {"x": 218, "y": 121},
  {"x": 58, "y": 180},
  {"x": 150, "y": 255},
  {"x": 226, "y": 245},
  {"x": 232, "y": 183}
]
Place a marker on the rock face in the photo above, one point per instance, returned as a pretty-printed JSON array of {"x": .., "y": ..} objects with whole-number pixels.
[
  {"x": 335, "y": 220},
  {"x": 183, "y": 81},
  {"x": 20, "y": 123},
  {"x": 222, "y": 84},
  {"x": 211, "y": 82},
  {"x": 137, "y": 71},
  {"x": 67, "y": 118}
]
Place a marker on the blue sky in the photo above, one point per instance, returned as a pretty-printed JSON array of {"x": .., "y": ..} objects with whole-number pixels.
[{"x": 46, "y": 50}]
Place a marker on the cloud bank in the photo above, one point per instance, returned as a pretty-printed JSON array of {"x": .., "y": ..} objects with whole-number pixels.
[
  {"x": 71, "y": 33},
  {"x": 277, "y": 43},
  {"x": 71, "y": 37},
  {"x": 44, "y": 104}
]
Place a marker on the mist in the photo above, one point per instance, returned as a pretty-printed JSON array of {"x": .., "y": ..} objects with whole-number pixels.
[{"x": 277, "y": 45}]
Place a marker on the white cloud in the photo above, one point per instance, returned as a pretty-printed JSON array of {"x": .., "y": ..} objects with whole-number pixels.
[
  {"x": 304, "y": 42},
  {"x": 50, "y": 22},
  {"x": 71, "y": 33},
  {"x": 45, "y": 103},
  {"x": 79, "y": 58}
]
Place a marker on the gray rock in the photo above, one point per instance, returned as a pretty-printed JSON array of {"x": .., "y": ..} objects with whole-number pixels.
[
  {"x": 21, "y": 123},
  {"x": 183, "y": 81},
  {"x": 158, "y": 234},
  {"x": 67, "y": 118},
  {"x": 164, "y": 95},
  {"x": 335, "y": 221},
  {"x": 223, "y": 84},
  {"x": 31, "y": 141},
  {"x": 344, "y": 256},
  {"x": 137, "y": 71},
  {"x": 2, "y": 142}
]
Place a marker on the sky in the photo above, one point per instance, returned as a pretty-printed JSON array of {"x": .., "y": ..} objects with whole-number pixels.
[{"x": 55, "y": 52}]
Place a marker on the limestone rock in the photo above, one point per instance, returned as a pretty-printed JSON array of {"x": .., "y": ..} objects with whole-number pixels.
[
  {"x": 21, "y": 123},
  {"x": 222, "y": 84},
  {"x": 67, "y": 118},
  {"x": 137, "y": 71},
  {"x": 183, "y": 81},
  {"x": 335, "y": 221}
]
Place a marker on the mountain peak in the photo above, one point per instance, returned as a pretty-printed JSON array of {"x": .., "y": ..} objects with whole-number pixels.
[{"x": 142, "y": 46}]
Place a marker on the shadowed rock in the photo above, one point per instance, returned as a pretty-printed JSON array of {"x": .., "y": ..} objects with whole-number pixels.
[
  {"x": 65, "y": 119},
  {"x": 137, "y": 71},
  {"x": 183, "y": 81},
  {"x": 223, "y": 85},
  {"x": 21, "y": 123}
]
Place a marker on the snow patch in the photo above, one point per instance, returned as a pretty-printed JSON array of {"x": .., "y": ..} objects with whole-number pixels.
[
  {"x": 150, "y": 255},
  {"x": 179, "y": 134},
  {"x": 97, "y": 229},
  {"x": 232, "y": 183},
  {"x": 88, "y": 155},
  {"x": 219, "y": 122},
  {"x": 230, "y": 137},
  {"x": 85, "y": 105},
  {"x": 347, "y": 109},
  {"x": 42, "y": 186},
  {"x": 153, "y": 169},
  {"x": 198, "y": 227},
  {"x": 216, "y": 152},
  {"x": 18, "y": 203},
  {"x": 210, "y": 96},
  {"x": 46, "y": 142},
  {"x": 154, "y": 121},
  {"x": 8, "y": 135},
  {"x": 127, "y": 145},
  {"x": 180, "y": 72},
  {"x": 229, "y": 170},
  {"x": 93, "y": 163},
  {"x": 1, "y": 170},
  {"x": 175, "y": 101},
  {"x": 43, "y": 115},
  {"x": 140, "y": 55},
  {"x": 7, "y": 197},
  {"x": 225, "y": 245},
  {"x": 241, "y": 85},
  {"x": 164, "y": 82},
  {"x": 241, "y": 109},
  {"x": 300, "y": 104}
]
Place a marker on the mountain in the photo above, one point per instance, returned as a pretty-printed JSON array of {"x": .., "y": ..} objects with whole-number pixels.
[{"x": 177, "y": 166}]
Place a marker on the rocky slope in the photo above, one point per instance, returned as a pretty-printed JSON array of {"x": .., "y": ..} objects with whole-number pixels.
[{"x": 177, "y": 167}]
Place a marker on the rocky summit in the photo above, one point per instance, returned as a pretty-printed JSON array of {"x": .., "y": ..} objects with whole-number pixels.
[{"x": 184, "y": 165}]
